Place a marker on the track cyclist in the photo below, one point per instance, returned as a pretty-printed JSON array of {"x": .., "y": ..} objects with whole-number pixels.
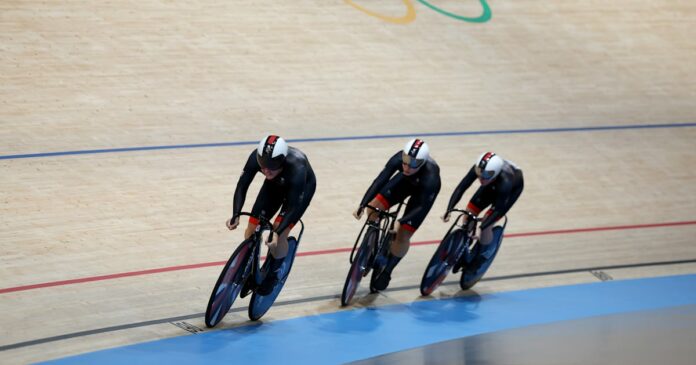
[
  {"x": 409, "y": 172},
  {"x": 289, "y": 186},
  {"x": 501, "y": 185}
]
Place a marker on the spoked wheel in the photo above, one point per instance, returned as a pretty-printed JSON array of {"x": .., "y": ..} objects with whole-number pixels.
[
  {"x": 229, "y": 284},
  {"x": 480, "y": 264},
  {"x": 260, "y": 304},
  {"x": 359, "y": 267},
  {"x": 442, "y": 261}
]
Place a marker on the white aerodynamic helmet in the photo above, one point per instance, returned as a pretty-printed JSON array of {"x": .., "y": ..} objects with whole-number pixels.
[
  {"x": 488, "y": 166},
  {"x": 415, "y": 153},
  {"x": 271, "y": 152}
]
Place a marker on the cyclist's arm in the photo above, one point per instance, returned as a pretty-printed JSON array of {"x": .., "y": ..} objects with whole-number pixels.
[
  {"x": 248, "y": 173},
  {"x": 466, "y": 182},
  {"x": 392, "y": 166}
]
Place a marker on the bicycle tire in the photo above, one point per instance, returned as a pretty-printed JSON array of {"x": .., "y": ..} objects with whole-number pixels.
[
  {"x": 444, "y": 257},
  {"x": 260, "y": 304},
  {"x": 471, "y": 276},
  {"x": 229, "y": 284},
  {"x": 383, "y": 252},
  {"x": 358, "y": 268}
]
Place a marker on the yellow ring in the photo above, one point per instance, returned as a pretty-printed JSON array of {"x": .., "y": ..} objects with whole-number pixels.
[{"x": 409, "y": 17}]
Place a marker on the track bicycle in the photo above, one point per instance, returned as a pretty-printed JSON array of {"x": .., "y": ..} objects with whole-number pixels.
[
  {"x": 242, "y": 274},
  {"x": 375, "y": 239},
  {"x": 461, "y": 250}
]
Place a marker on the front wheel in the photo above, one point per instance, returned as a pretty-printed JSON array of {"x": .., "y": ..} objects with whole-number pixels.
[
  {"x": 229, "y": 284},
  {"x": 443, "y": 259},
  {"x": 359, "y": 267}
]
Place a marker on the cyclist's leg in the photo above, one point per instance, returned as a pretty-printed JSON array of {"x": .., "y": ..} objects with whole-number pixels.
[
  {"x": 267, "y": 203},
  {"x": 281, "y": 249},
  {"x": 416, "y": 210},
  {"x": 251, "y": 227},
  {"x": 277, "y": 257},
  {"x": 394, "y": 192},
  {"x": 501, "y": 207},
  {"x": 483, "y": 197},
  {"x": 378, "y": 202}
]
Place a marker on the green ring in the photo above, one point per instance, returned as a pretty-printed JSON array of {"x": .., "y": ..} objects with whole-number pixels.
[{"x": 486, "y": 16}]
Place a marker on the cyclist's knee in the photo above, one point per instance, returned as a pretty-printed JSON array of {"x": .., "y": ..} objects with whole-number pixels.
[
  {"x": 251, "y": 227},
  {"x": 402, "y": 242},
  {"x": 487, "y": 235},
  {"x": 377, "y": 204},
  {"x": 284, "y": 235}
]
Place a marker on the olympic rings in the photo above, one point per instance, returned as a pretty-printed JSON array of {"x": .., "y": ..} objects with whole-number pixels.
[{"x": 411, "y": 13}]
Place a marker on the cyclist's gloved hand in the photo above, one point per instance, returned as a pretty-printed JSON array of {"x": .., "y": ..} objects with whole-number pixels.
[
  {"x": 358, "y": 213},
  {"x": 446, "y": 217},
  {"x": 232, "y": 223}
]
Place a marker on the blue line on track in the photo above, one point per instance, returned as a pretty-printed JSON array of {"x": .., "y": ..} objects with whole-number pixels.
[{"x": 349, "y": 138}]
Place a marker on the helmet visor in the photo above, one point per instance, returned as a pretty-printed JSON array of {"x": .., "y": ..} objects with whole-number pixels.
[
  {"x": 412, "y": 162},
  {"x": 484, "y": 174},
  {"x": 270, "y": 163}
]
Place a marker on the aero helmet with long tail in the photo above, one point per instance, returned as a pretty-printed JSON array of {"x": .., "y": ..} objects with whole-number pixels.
[{"x": 271, "y": 152}]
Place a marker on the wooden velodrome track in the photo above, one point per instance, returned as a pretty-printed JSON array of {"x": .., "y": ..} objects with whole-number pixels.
[{"x": 595, "y": 100}]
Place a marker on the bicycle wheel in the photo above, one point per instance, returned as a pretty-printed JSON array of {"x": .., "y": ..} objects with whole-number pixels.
[
  {"x": 472, "y": 274},
  {"x": 260, "y": 304},
  {"x": 229, "y": 284},
  {"x": 443, "y": 259},
  {"x": 380, "y": 260},
  {"x": 359, "y": 267}
]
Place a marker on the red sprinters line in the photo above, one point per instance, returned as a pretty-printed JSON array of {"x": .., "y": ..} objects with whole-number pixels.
[{"x": 321, "y": 252}]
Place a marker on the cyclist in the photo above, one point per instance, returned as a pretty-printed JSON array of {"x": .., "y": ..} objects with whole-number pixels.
[
  {"x": 409, "y": 172},
  {"x": 501, "y": 185},
  {"x": 289, "y": 186}
]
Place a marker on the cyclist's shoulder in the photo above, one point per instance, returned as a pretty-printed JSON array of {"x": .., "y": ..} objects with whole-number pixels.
[
  {"x": 432, "y": 168},
  {"x": 396, "y": 157},
  {"x": 296, "y": 156},
  {"x": 510, "y": 165},
  {"x": 252, "y": 164},
  {"x": 296, "y": 162}
]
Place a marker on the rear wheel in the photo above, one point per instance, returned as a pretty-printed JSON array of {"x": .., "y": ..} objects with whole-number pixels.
[
  {"x": 260, "y": 304},
  {"x": 443, "y": 259},
  {"x": 480, "y": 264},
  {"x": 229, "y": 284},
  {"x": 380, "y": 261},
  {"x": 359, "y": 266}
]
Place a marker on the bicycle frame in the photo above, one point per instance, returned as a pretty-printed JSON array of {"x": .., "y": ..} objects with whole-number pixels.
[
  {"x": 256, "y": 238},
  {"x": 459, "y": 250},
  {"x": 264, "y": 225},
  {"x": 384, "y": 226},
  {"x": 362, "y": 258},
  {"x": 242, "y": 273}
]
